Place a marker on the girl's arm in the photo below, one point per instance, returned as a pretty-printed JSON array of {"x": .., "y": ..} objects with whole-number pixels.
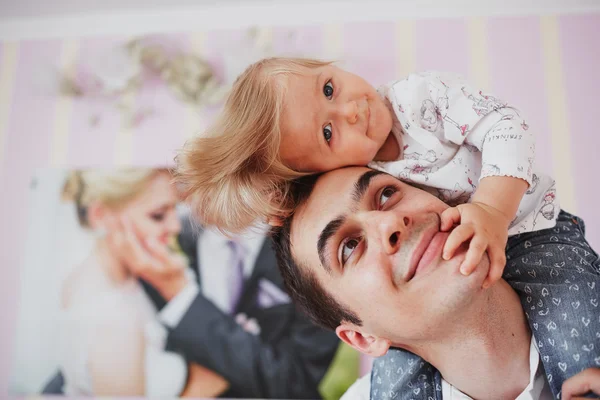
[{"x": 504, "y": 193}]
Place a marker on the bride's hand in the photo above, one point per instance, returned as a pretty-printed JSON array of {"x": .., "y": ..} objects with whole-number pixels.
[
  {"x": 203, "y": 382},
  {"x": 148, "y": 259}
]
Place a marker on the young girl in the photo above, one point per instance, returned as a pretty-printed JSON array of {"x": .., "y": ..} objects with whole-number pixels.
[{"x": 289, "y": 117}]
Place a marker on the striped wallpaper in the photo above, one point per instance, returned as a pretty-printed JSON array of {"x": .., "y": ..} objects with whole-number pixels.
[{"x": 547, "y": 66}]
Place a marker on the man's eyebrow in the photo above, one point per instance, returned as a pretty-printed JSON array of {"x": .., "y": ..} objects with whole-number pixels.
[
  {"x": 360, "y": 187},
  {"x": 362, "y": 184},
  {"x": 327, "y": 233}
]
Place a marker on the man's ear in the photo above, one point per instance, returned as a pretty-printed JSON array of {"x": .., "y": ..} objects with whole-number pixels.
[{"x": 368, "y": 344}]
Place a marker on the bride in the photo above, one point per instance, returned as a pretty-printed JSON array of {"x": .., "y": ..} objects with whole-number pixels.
[{"x": 107, "y": 346}]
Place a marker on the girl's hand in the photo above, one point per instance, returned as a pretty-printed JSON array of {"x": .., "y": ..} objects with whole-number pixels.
[
  {"x": 586, "y": 381},
  {"x": 486, "y": 228}
]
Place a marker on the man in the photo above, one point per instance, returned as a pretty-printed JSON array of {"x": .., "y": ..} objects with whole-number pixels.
[
  {"x": 253, "y": 344},
  {"x": 362, "y": 254}
]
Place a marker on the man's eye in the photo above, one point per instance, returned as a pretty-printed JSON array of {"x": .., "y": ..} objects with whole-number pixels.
[
  {"x": 328, "y": 90},
  {"x": 348, "y": 248},
  {"x": 385, "y": 195},
  {"x": 327, "y": 132}
]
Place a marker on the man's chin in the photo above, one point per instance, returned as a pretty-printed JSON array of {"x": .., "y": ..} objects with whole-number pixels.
[
  {"x": 450, "y": 275},
  {"x": 473, "y": 281}
]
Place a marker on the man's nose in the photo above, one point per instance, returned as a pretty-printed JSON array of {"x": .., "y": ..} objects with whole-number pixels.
[
  {"x": 389, "y": 229},
  {"x": 348, "y": 111}
]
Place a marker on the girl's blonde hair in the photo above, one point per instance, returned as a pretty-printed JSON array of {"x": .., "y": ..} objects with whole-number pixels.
[
  {"x": 113, "y": 188},
  {"x": 232, "y": 175}
]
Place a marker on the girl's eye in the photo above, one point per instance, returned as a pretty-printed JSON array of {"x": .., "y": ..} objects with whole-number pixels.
[
  {"x": 158, "y": 217},
  {"x": 327, "y": 132},
  {"x": 328, "y": 90},
  {"x": 348, "y": 248},
  {"x": 385, "y": 195}
]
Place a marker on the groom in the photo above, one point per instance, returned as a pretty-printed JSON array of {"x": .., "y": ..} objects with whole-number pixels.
[{"x": 258, "y": 344}]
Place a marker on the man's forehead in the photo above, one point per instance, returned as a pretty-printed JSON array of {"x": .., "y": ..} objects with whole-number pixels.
[
  {"x": 333, "y": 191},
  {"x": 330, "y": 198}
]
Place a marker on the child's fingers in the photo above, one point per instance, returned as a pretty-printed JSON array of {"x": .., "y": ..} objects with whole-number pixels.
[
  {"x": 477, "y": 247},
  {"x": 449, "y": 218},
  {"x": 585, "y": 381},
  {"x": 494, "y": 275},
  {"x": 497, "y": 264},
  {"x": 459, "y": 235}
]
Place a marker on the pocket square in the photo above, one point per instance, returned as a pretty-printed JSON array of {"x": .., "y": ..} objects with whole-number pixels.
[
  {"x": 249, "y": 325},
  {"x": 270, "y": 295}
]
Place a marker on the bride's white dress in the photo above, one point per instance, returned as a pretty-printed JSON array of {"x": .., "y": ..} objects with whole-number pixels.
[{"x": 77, "y": 328}]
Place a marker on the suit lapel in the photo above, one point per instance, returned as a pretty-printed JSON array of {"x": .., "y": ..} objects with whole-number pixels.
[
  {"x": 188, "y": 240},
  {"x": 261, "y": 268}
]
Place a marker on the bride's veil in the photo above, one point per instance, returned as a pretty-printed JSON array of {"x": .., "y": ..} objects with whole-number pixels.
[{"x": 55, "y": 243}]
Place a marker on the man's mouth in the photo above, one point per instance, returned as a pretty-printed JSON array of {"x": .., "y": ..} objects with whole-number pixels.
[{"x": 429, "y": 248}]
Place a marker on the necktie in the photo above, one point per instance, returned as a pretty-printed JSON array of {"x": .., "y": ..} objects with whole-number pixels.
[{"x": 236, "y": 273}]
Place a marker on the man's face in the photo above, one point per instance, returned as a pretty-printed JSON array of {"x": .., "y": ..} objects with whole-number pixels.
[{"x": 374, "y": 244}]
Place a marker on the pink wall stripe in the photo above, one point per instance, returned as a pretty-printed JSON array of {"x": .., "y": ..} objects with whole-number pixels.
[
  {"x": 369, "y": 50},
  {"x": 441, "y": 44},
  {"x": 157, "y": 137},
  {"x": 222, "y": 44},
  {"x": 515, "y": 67},
  {"x": 581, "y": 58},
  {"x": 26, "y": 149},
  {"x": 218, "y": 45},
  {"x": 93, "y": 145},
  {"x": 8, "y": 314},
  {"x": 307, "y": 40}
]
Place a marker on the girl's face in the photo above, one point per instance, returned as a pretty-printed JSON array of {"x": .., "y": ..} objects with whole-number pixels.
[
  {"x": 152, "y": 212},
  {"x": 331, "y": 118}
]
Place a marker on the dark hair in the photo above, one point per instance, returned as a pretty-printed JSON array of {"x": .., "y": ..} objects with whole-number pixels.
[{"x": 300, "y": 282}]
